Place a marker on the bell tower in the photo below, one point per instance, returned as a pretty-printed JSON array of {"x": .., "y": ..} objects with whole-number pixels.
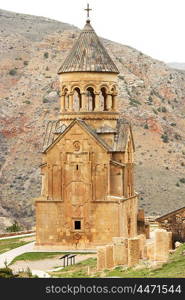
[{"x": 88, "y": 78}]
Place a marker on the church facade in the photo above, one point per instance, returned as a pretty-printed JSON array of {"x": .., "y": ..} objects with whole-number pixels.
[{"x": 87, "y": 192}]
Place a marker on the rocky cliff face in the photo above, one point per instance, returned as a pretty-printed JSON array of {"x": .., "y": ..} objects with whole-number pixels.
[{"x": 152, "y": 96}]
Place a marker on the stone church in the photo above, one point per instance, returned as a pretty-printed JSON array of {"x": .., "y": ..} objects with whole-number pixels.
[{"x": 87, "y": 192}]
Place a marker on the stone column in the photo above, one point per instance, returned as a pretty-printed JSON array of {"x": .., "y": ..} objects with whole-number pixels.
[
  {"x": 120, "y": 251},
  {"x": 84, "y": 101},
  {"x": 133, "y": 251},
  {"x": 114, "y": 106},
  {"x": 109, "y": 262},
  {"x": 109, "y": 102},
  {"x": 97, "y": 102},
  {"x": 100, "y": 258},
  {"x": 62, "y": 101},
  {"x": 71, "y": 102}
]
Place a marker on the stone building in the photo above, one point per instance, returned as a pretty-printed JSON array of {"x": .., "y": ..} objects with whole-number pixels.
[
  {"x": 174, "y": 222},
  {"x": 88, "y": 192}
]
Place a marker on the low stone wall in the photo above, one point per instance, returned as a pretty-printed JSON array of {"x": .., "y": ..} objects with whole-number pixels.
[{"x": 129, "y": 251}]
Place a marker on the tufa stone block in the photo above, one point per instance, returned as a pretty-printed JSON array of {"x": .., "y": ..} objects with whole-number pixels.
[
  {"x": 142, "y": 241},
  {"x": 109, "y": 262},
  {"x": 162, "y": 242},
  {"x": 101, "y": 253},
  {"x": 133, "y": 251},
  {"x": 149, "y": 251},
  {"x": 120, "y": 251}
]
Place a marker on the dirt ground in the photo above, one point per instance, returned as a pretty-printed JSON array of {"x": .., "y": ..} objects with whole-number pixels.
[{"x": 28, "y": 239}]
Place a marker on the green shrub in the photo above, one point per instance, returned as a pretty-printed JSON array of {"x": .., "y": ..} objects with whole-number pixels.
[
  {"x": 173, "y": 124},
  {"x": 6, "y": 273},
  {"x": 25, "y": 62},
  {"x": 27, "y": 101},
  {"x": 14, "y": 228},
  {"x": 134, "y": 102},
  {"x": 13, "y": 72},
  {"x": 155, "y": 111},
  {"x": 177, "y": 136},
  {"x": 46, "y": 55},
  {"x": 164, "y": 110},
  {"x": 45, "y": 100},
  {"x": 182, "y": 180},
  {"x": 146, "y": 126},
  {"x": 165, "y": 138}
]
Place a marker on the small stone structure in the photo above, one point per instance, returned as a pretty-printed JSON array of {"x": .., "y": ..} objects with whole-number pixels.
[
  {"x": 174, "y": 222},
  {"x": 129, "y": 251}
]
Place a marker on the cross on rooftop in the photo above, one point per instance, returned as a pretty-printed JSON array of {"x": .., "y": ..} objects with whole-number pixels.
[{"x": 88, "y": 10}]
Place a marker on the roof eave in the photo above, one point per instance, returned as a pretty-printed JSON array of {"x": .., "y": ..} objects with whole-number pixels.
[{"x": 110, "y": 72}]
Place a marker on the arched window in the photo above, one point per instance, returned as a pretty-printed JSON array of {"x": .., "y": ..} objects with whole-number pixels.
[
  {"x": 77, "y": 99},
  {"x": 103, "y": 98},
  {"x": 113, "y": 89},
  {"x": 90, "y": 98},
  {"x": 66, "y": 99}
]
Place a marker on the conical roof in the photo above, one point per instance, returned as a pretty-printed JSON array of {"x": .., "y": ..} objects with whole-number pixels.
[{"x": 88, "y": 55}]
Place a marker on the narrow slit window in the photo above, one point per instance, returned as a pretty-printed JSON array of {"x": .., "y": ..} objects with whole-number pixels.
[
  {"x": 77, "y": 225},
  {"x": 77, "y": 167}
]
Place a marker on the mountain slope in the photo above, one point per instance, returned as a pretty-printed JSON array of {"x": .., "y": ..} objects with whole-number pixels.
[
  {"x": 151, "y": 96},
  {"x": 175, "y": 65}
]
